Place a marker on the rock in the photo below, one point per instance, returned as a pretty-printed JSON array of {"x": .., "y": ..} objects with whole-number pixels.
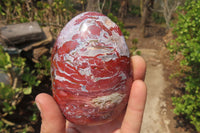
[
  {"x": 5, "y": 78},
  {"x": 90, "y": 70},
  {"x": 15, "y": 34},
  {"x": 46, "y": 41},
  {"x": 38, "y": 52},
  {"x": 35, "y": 50}
]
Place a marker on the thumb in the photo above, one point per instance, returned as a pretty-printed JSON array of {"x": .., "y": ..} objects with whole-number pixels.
[
  {"x": 52, "y": 118},
  {"x": 133, "y": 118}
]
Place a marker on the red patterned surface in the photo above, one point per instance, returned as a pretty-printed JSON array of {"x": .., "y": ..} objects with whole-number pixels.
[{"x": 91, "y": 70}]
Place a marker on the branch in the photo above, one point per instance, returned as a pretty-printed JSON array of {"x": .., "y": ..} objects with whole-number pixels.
[
  {"x": 110, "y": 5},
  {"x": 103, "y": 5},
  {"x": 168, "y": 10},
  {"x": 154, "y": 10},
  {"x": 8, "y": 122}
]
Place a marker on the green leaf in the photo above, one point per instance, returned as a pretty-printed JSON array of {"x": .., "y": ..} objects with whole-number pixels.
[{"x": 27, "y": 91}]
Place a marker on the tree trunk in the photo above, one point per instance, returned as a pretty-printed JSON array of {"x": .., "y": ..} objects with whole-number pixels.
[
  {"x": 169, "y": 9},
  {"x": 144, "y": 20},
  {"x": 93, "y": 5},
  {"x": 123, "y": 9},
  {"x": 141, "y": 7},
  {"x": 110, "y": 5},
  {"x": 146, "y": 12}
]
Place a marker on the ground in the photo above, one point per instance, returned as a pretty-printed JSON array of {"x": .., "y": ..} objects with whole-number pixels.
[{"x": 158, "y": 116}]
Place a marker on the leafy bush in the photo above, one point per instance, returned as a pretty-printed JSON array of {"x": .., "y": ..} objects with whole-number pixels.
[
  {"x": 187, "y": 42},
  {"x": 158, "y": 18},
  {"x": 134, "y": 10},
  {"x": 43, "y": 68},
  {"x": 115, "y": 7},
  {"x": 22, "y": 82},
  {"x": 133, "y": 49},
  {"x": 55, "y": 15}
]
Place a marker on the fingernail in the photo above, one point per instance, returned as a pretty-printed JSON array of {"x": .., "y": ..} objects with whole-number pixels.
[{"x": 38, "y": 105}]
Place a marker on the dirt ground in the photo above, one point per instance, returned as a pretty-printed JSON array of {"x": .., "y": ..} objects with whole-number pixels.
[{"x": 158, "y": 116}]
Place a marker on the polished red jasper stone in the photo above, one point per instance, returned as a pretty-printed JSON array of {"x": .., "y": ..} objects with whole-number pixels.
[{"x": 90, "y": 68}]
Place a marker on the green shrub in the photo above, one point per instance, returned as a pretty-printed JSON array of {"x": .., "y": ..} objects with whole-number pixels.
[
  {"x": 43, "y": 67},
  {"x": 115, "y": 7},
  {"x": 158, "y": 18},
  {"x": 134, "y": 10},
  {"x": 187, "y": 42},
  {"x": 22, "y": 81},
  {"x": 133, "y": 49},
  {"x": 55, "y": 15}
]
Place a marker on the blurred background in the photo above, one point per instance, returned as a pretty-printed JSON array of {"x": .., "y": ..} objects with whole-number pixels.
[{"x": 166, "y": 33}]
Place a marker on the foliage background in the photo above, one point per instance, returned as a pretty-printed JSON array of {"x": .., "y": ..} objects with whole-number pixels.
[{"x": 187, "y": 43}]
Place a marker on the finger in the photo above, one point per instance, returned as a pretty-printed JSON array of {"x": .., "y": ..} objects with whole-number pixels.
[
  {"x": 52, "y": 118},
  {"x": 134, "y": 113},
  {"x": 139, "y": 67},
  {"x": 71, "y": 128}
]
